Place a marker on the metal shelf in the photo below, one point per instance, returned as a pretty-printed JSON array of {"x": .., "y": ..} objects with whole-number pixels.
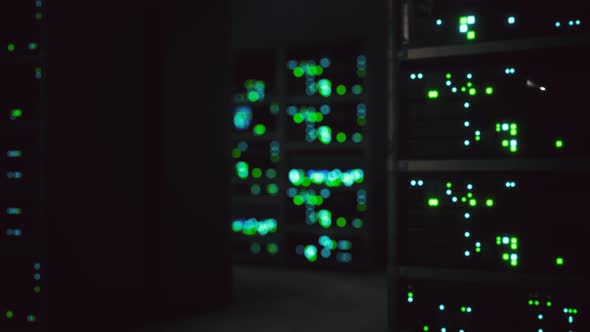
[
  {"x": 419, "y": 53},
  {"x": 487, "y": 277},
  {"x": 329, "y": 231},
  {"x": 246, "y": 136},
  {"x": 325, "y": 147},
  {"x": 493, "y": 165},
  {"x": 321, "y": 100}
]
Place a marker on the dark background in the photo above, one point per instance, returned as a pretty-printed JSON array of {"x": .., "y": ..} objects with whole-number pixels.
[{"x": 138, "y": 147}]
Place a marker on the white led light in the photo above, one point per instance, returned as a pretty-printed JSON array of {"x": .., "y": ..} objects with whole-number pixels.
[
  {"x": 471, "y": 19},
  {"x": 505, "y": 126},
  {"x": 467, "y": 215},
  {"x": 454, "y": 199},
  {"x": 505, "y": 240},
  {"x": 454, "y": 90},
  {"x": 540, "y": 316},
  {"x": 514, "y": 257},
  {"x": 463, "y": 28},
  {"x": 469, "y": 76},
  {"x": 467, "y": 253},
  {"x": 413, "y": 76},
  {"x": 466, "y": 105},
  {"x": 420, "y": 76},
  {"x": 466, "y": 124},
  {"x": 469, "y": 186},
  {"x": 513, "y": 142},
  {"x": 467, "y": 234},
  {"x": 466, "y": 142},
  {"x": 477, "y": 133},
  {"x": 413, "y": 183},
  {"x": 420, "y": 183},
  {"x": 449, "y": 192},
  {"x": 448, "y": 83}
]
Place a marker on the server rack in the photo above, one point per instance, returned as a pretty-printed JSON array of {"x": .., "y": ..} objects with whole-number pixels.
[
  {"x": 487, "y": 168},
  {"x": 23, "y": 107},
  {"x": 303, "y": 198}
]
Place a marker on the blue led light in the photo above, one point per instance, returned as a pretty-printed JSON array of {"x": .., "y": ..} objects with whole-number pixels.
[
  {"x": 291, "y": 64},
  {"x": 325, "y": 62}
]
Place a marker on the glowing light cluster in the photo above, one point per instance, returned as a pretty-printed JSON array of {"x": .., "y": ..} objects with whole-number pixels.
[
  {"x": 255, "y": 90},
  {"x": 330, "y": 178},
  {"x": 570, "y": 23},
  {"x": 509, "y": 249},
  {"x": 509, "y": 134},
  {"x": 465, "y": 26},
  {"x": 253, "y": 226},
  {"x": 327, "y": 248},
  {"x": 312, "y": 118}
]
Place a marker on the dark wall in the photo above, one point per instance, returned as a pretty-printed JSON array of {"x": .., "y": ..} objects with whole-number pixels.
[{"x": 130, "y": 212}]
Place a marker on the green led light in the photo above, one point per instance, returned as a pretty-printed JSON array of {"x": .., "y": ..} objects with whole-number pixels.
[
  {"x": 559, "y": 261},
  {"x": 530, "y": 302},
  {"x": 426, "y": 328},
  {"x": 256, "y": 173},
  {"x": 505, "y": 143},
  {"x": 341, "y": 222},
  {"x": 449, "y": 185},
  {"x": 463, "y": 89},
  {"x": 471, "y": 35},
  {"x": 16, "y": 113},
  {"x": 448, "y": 76},
  {"x": 549, "y": 304},
  {"x": 361, "y": 207},
  {"x": 357, "y": 223},
  {"x": 253, "y": 96},
  {"x": 311, "y": 253},
  {"x": 559, "y": 144},
  {"x": 513, "y": 132},
  {"x": 505, "y": 256},
  {"x": 513, "y": 263},
  {"x": 489, "y": 90},
  {"x": 298, "y": 200},
  {"x": 469, "y": 84},
  {"x": 472, "y": 92},
  {"x": 433, "y": 94},
  {"x": 255, "y": 189},
  {"x": 341, "y": 90},
  {"x": 357, "y": 89},
  {"x": 433, "y": 202},
  {"x": 236, "y": 153},
  {"x": 489, "y": 202},
  {"x": 464, "y": 199},
  {"x": 463, "y": 20},
  {"x": 298, "y": 118},
  {"x": 325, "y": 87},
  {"x": 341, "y": 137},
  {"x": 473, "y": 202},
  {"x": 272, "y": 189},
  {"x": 11, "y": 47},
  {"x": 325, "y": 134},
  {"x": 37, "y": 289},
  {"x": 272, "y": 248},
  {"x": 513, "y": 246},
  {"x": 410, "y": 294},
  {"x": 537, "y": 303},
  {"x": 463, "y": 309},
  {"x": 271, "y": 173},
  {"x": 361, "y": 121},
  {"x": 259, "y": 129},
  {"x": 478, "y": 250},
  {"x": 255, "y": 248},
  {"x": 298, "y": 72}
]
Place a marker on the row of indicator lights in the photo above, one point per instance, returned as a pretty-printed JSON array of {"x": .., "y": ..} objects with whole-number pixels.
[
  {"x": 272, "y": 189},
  {"x": 327, "y": 246},
  {"x": 11, "y": 47},
  {"x": 14, "y": 175},
  {"x": 255, "y": 90},
  {"x": 14, "y": 153},
  {"x": 275, "y": 150},
  {"x": 464, "y": 23},
  {"x": 330, "y": 178},
  {"x": 16, "y": 232},
  {"x": 271, "y": 248},
  {"x": 323, "y": 86},
  {"x": 31, "y": 318},
  {"x": 243, "y": 172},
  {"x": 253, "y": 226},
  {"x": 311, "y": 199},
  {"x": 570, "y": 23}
]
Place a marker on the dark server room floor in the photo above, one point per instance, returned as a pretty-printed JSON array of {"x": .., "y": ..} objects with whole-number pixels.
[{"x": 282, "y": 300}]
